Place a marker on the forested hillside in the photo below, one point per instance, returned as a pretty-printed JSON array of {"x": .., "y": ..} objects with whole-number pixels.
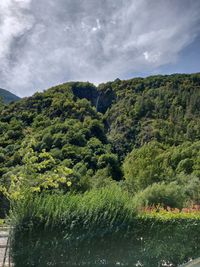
[
  {"x": 143, "y": 134},
  {"x": 162, "y": 108},
  {"x": 7, "y": 97}
]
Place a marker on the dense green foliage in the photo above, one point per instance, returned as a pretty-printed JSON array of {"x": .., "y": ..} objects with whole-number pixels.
[
  {"x": 162, "y": 108},
  {"x": 7, "y": 97},
  {"x": 62, "y": 125},
  {"x": 168, "y": 174},
  {"x": 155, "y": 162},
  {"x": 143, "y": 133},
  {"x": 102, "y": 209},
  {"x": 80, "y": 164},
  {"x": 100, "y": 227},
  {"x": 149, "y": 243}
]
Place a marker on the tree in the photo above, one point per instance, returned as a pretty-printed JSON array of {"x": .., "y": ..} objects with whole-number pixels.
[{"x": 38, "y": 173}]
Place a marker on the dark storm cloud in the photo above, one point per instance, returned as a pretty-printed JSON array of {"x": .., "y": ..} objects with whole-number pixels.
[{"x": 47, "y": 42}]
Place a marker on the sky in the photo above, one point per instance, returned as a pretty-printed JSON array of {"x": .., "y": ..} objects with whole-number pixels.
[{"x": 48, "y": 42}]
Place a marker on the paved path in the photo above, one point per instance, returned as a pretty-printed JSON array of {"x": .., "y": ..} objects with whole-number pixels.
[
  {"x": 194, "y": 263},
  {"x": 4, "y": 247}
]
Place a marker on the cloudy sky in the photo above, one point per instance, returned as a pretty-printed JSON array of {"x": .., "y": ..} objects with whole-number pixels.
[{"x": 47, "y": 42}]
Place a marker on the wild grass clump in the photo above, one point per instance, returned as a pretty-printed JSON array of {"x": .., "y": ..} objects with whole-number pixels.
[{"x": 106, "y": 209}]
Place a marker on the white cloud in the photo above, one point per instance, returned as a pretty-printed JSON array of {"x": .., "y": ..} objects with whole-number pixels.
[
  {"x": 13, "y": 23},
  {"x": 48, "y": 42},
  {"x": 152, "y": 57}
]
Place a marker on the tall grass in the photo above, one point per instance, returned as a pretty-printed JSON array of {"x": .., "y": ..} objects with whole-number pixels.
[
  {"x": 103, "y": 209},
  {"x": 61, "y": 230}
]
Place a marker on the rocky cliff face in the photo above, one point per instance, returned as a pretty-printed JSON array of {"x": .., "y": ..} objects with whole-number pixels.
[
  {"x": 85, "y": 90},
  {"x": 101, "y": 97},
  {"x": 105, "y": 99}
]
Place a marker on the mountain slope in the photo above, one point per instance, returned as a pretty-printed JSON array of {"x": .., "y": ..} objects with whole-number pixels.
[
  {"x": 163, "y": 108},
  {"x": 146, "y": 128},
  {"x": 7, "y": 96}
]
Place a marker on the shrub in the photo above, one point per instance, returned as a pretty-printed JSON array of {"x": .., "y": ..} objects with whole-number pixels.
[{"x": 163, "y": 194}]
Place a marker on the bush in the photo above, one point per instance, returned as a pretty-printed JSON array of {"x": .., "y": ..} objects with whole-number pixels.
[
  {"x": 155, "y": 163},
  {"x": 145, "y": 166},
  {"x": 171, "y": 195}
]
